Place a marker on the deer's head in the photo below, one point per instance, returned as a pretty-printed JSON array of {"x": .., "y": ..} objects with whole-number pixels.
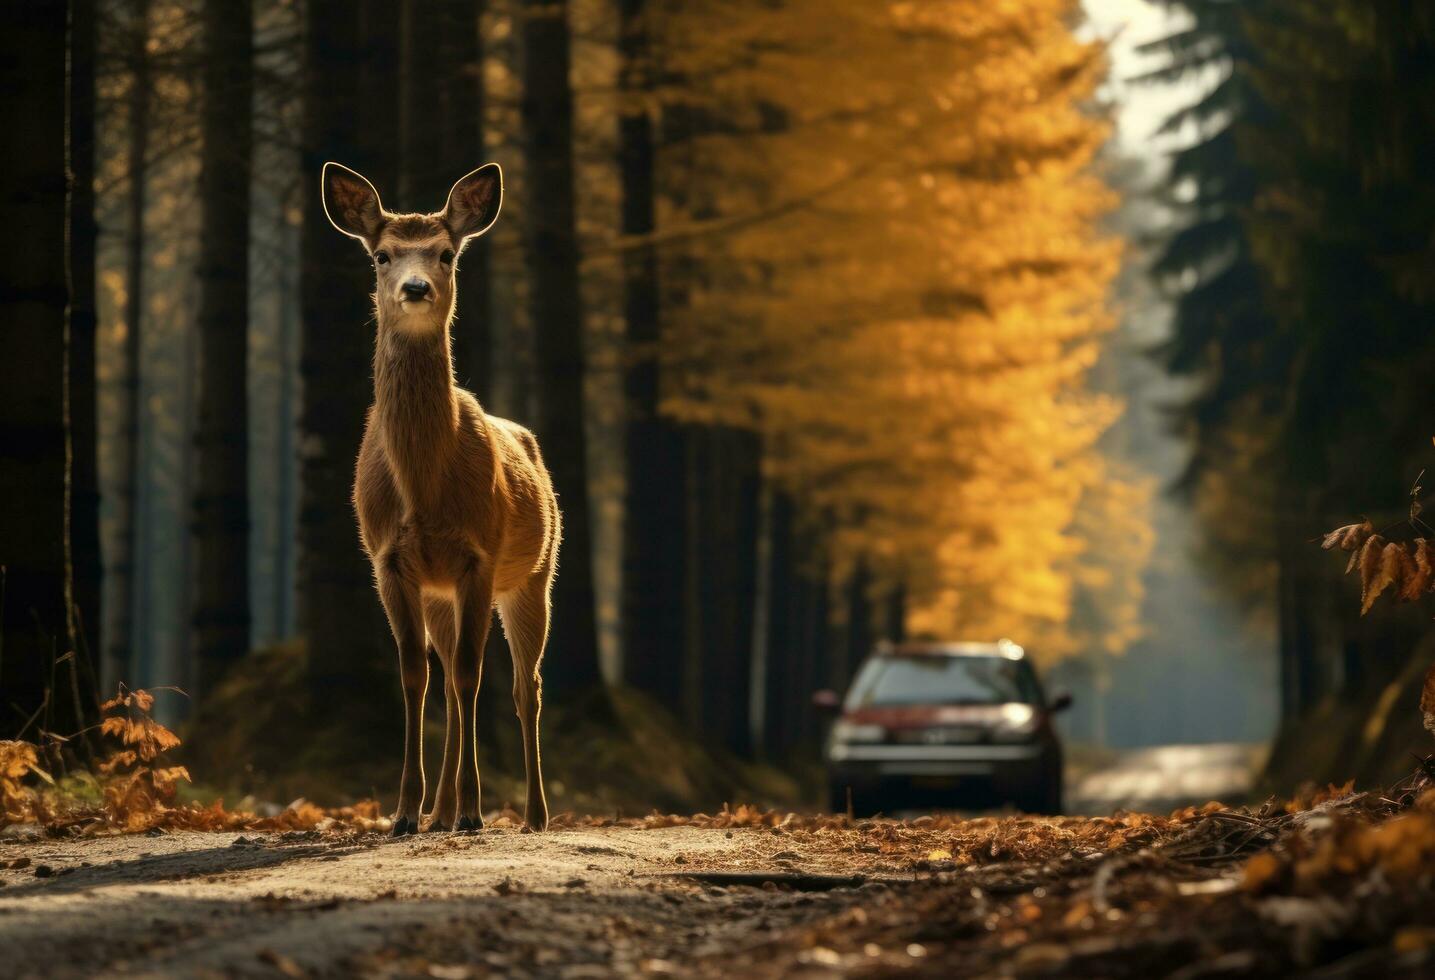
[{"x": 414, "y": 254}]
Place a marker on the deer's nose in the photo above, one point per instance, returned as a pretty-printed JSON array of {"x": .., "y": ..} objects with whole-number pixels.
[{"x": 416, "y": 289}]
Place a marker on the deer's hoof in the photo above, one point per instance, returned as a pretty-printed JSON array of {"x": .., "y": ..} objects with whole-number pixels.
[
  {"x": 404, "y": 825},
  {"x": 468, "y": 823}
]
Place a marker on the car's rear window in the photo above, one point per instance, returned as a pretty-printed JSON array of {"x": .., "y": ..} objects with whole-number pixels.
[{"x": 943, "y": 680}]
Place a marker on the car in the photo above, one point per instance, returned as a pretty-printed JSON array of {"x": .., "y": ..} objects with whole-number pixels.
[{"x": 944, "y": 725}]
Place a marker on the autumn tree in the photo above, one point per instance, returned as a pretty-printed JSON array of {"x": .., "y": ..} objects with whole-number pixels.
[
  {"x": 652, "y": 569},
  {"x": 556, "y": 308},
  {"x": 908, "y": 290}
]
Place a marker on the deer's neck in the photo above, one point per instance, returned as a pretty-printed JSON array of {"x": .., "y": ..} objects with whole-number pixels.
[{"x": 415, "y": 403}]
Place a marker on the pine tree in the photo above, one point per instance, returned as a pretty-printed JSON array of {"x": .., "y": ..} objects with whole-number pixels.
[
  {"x": 221, "y": 496},
  {"x": 34, "y": 480},
  {"x": 350, "y": 101},
  {"x": 556, "y": 307},
  {"x": 1302, "y": 266}
]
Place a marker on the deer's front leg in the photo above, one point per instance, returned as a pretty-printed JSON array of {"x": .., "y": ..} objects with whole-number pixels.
[
  {"x": 475, "y": 613},
  {"x": 442, "y": 630},
  {"x": 400, "y": 594}
]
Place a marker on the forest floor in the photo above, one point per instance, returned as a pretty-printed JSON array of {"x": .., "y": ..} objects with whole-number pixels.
[{"x": 1338, "y": 887}]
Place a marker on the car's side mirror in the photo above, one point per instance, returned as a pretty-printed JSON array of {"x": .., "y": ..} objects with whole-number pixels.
[
  {"x": 826, "y": 700},
  {"x": 1059, "y": 702}
]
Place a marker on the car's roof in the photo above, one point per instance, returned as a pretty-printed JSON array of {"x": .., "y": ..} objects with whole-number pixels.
[{"x": 934, "y": 648}]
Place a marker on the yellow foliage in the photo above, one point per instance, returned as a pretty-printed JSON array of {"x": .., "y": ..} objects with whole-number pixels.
[{"x": 904, "y": 293}]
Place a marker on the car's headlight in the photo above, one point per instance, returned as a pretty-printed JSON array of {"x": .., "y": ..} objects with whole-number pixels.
[
  {"x": 846, "y": 731},
  {"x": 1017, "y": 722}
]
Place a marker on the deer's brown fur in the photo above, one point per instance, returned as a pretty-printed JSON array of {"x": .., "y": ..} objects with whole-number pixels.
[{"x": 456, "y": 509}]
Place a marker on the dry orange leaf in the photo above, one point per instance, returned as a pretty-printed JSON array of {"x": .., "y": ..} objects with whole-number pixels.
[
  {"x": 1372, "y": 563},
  {"x": 1261, "y": 871},
  {"x": 1348, "y": 538},
  {"x": 1391, "y": 569}
]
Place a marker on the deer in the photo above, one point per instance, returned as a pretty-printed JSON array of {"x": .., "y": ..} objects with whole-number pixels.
[{"x": 456, "y": 510}]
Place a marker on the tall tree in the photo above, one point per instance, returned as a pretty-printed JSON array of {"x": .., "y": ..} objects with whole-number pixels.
[
  {"x": 724, "y": 489},
  {"x": 121, "y": 562},
  {"x": 1304, "y": 261},
  {"x": 351, "y": 112},
  {"x": 84, "y": 539},
  {"x": 557, "y": 313},
  {"x": 652, "y": 570},
  {"x": 898, "y": 377},
  {"x": 221, "y": 496},
  {"x": 34, "y": 477},
  {"x": 442, "y": 82}
]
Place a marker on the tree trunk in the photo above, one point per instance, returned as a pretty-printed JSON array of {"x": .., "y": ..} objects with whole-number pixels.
[
  {"x": 221, "y": 498},
  {"x": 33, "y": 479},
  {"x": 894, "y": 626},
  {"x": 724, "y": 491},
  {"x": 760, "y": 659},
  {"x": 122, "y": 562},
  {"x": 81, "y": 382},
  {"x": 442, "y": 140},
  {"x": 350, "y": 651},
  {"x": 282, "y": 588},
  {"x": 84, "y": 421},
  {"x": 859, "y": 634},
  {"x": 779, "y": 726},
  {"x": 557, "y": 313},
  {"x": 652, "y": 621}
]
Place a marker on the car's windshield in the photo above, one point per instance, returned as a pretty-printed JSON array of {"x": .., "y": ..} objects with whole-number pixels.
[{"x": 890, "y": 680}]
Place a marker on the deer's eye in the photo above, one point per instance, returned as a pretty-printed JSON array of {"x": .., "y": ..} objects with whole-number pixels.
[
  {"x": 382, "y": 258},
  {"x": 447, "y": 256}
]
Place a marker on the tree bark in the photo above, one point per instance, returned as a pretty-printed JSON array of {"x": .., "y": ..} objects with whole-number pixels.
[
  {"x": 33, "y": 479},
  {"x": 652, "y": 621},
  {"x": 442, "y": 140},
  {"x": 221, "y": 614},
  {"x": 350, "y": 650},
  {"x": 557, "y": 312},
  {"x": 858, "y": 629},
  {"x": 760, "y": 659},
  {"x": 722, "y": 535},
  {"x": 779, "y": 726},
  {"x": 121, "y": 564},
  {"x": 84, "y": 547}
]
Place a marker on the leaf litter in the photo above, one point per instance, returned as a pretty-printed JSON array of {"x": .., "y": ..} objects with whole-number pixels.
[{"x": 1336, "y": 877}]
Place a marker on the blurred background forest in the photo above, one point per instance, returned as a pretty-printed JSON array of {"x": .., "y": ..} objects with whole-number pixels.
[{"x": 838, "y": 320}]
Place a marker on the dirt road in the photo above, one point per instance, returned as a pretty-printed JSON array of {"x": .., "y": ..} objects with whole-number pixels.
[
  {"x": 565, "y": 903},
  {"x": 771, "y": 896}
]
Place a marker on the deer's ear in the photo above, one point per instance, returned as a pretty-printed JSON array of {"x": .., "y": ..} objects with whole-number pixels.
[
  {"x": 351, "y": 203},
  {"x": 474, "y": 202}
]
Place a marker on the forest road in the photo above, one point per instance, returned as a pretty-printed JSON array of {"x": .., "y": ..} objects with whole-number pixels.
[
  {"x": 740, "y": 894},
  {"x": 1160, "y": 778},
  {"x": 579, "y": 902}
]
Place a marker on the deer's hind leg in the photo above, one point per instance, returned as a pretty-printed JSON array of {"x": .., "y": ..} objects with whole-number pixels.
[
  {"x": 443, "y": 634},
  {"x": 525, "y": 613}
]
